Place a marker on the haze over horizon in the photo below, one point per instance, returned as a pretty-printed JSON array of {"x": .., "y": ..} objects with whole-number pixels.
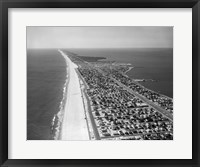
[{"x": 100, "y": 37}]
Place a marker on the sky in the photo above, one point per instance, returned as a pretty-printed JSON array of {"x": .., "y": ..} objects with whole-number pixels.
[{"x": 100, "y": 37}]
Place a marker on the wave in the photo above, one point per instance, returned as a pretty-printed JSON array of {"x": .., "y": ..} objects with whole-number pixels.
[{"x": 56, "y": 125}]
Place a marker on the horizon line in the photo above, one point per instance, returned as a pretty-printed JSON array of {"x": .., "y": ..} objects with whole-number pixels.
[{"x": 109, "y": 48}]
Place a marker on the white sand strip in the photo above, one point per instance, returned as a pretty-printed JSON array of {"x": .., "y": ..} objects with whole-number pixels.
[{"x": 74, "y": 126}]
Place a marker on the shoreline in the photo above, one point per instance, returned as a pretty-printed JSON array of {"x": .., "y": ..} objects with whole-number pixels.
[
  {"x": 59, "y": 116},
  {"x": 74, "y": 125},
  {"x": 130, "y": 68},
  {"x": 138, "y": 81}
]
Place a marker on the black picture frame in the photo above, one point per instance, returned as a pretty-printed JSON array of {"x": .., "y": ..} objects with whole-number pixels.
[{"x": 4, "y": 97}]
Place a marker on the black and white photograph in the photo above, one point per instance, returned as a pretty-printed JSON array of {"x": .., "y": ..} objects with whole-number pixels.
[{"x": 99, "y": 83}]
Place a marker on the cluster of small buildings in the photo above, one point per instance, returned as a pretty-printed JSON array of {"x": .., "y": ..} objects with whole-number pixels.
[
  {"x": 158, "y": 99},
  {"x": 118, "y": 114}
]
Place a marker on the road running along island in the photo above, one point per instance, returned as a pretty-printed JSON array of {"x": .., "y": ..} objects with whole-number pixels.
[{"x": 117, "y": 107}]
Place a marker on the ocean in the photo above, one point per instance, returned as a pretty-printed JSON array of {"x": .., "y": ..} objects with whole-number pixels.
[{"x": 46, "y": 74}]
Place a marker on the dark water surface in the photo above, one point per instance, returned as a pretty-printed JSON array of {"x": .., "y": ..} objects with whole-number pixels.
[
  {"x": 46, "y": 74},
  {"x": 156, "y": 64}
]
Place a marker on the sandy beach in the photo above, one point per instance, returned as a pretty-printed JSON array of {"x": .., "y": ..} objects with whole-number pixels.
[{"x": 74, "y": 125}]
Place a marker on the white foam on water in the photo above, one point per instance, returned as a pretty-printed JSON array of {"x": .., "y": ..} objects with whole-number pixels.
[{"x": 60, "y": 113}]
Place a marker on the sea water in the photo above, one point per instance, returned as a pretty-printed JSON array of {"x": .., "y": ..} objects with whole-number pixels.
[{"x": 46, "y": 75}]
